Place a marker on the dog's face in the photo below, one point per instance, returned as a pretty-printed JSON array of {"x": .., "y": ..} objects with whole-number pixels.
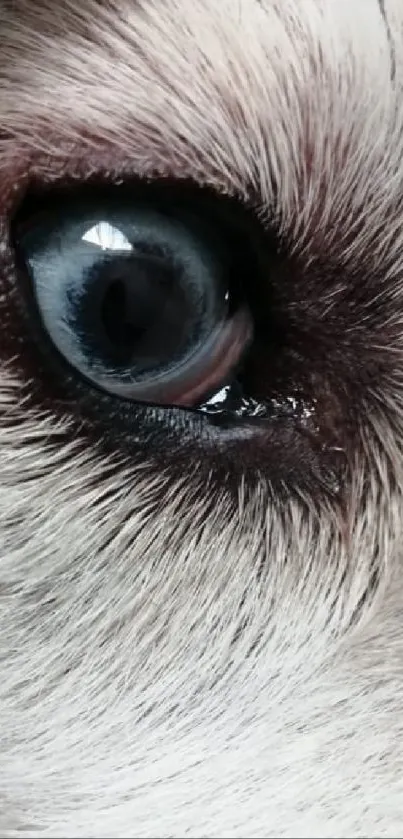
[{"x": 201, "y": 418}]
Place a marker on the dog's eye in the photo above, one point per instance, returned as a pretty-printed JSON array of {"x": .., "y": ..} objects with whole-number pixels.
[
  {"x": 140, "y": 295},
  {"x": 161, "y": 310}
]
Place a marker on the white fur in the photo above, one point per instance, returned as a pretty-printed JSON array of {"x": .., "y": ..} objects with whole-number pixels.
[{"x": 174, "y": 672}]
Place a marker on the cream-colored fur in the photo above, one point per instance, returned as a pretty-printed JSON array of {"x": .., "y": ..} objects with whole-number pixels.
[{"x": 185, "y": 669}]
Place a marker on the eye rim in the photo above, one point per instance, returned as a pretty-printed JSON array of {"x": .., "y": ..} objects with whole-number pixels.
[{"x": 246, "y": 218}]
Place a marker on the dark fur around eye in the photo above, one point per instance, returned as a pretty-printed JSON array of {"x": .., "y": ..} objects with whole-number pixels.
[{"x": 289, "y": 412}]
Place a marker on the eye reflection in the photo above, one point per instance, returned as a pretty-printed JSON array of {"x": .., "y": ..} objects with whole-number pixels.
[{"x": 108, "y": 237}]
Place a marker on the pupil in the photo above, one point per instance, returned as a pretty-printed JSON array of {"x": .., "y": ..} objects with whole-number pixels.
[
  {"x": 142, "y": 315},
  {"x": 116, "y": 317}
]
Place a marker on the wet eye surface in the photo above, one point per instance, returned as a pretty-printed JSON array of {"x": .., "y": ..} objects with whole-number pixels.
[
  {"x": 152, "y": 294},
  {"x": 141, "y": 297}
]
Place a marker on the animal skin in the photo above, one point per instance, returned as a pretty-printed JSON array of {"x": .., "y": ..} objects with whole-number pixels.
[{"x": 201, "y": 632}]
